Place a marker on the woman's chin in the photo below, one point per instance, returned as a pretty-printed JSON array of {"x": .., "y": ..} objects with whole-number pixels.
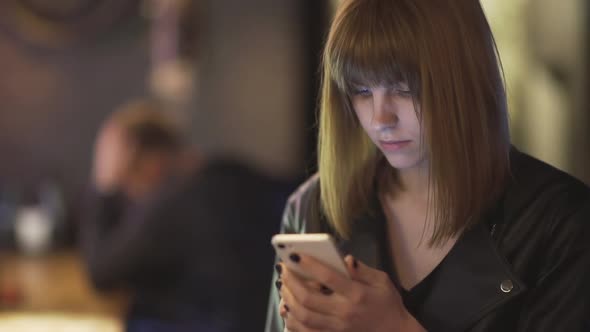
[{"x": 402, "y": 163}]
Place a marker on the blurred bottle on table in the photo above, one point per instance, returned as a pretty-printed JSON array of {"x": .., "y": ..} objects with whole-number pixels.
[{"x": 38, "y": 217}]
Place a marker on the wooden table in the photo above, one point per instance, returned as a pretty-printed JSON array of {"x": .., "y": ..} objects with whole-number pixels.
[{"x": 53, "y": 284}]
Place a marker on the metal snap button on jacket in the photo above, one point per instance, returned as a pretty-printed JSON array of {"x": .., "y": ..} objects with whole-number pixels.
[{"x": 506, "y": 286}]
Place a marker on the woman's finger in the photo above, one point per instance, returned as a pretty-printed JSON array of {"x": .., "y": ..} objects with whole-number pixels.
[
  {"x": 365, "y": 274},
  {"x": 282, "y": 310},
  {"x": 325, "y": 275},
  {"x": 308, "y": 294},
  {"x": 306, "y": 317}
]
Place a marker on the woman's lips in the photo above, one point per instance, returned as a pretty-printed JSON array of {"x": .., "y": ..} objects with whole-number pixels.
[{"x": 393, "y": 145}]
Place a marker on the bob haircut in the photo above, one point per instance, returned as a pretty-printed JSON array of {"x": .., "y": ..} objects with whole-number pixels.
[{"x": 444, "y": 50}]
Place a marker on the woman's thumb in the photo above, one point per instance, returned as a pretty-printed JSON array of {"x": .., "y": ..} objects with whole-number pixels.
[{"x": 359, "y": 271}]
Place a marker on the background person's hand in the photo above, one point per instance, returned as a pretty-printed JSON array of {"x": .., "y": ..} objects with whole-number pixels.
[
  {"x": 368, "y": 301},
  {"x": 112, "y": 157}
]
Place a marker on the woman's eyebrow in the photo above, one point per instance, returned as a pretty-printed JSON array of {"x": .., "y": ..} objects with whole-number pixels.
[
  {"x": 399, "y": 84},
  {"x": 358, "y": 84},
  {"x": 393, "y": 84}
]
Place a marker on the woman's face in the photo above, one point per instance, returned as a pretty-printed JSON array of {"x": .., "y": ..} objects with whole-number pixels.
[{"x": 388, "y": 116}]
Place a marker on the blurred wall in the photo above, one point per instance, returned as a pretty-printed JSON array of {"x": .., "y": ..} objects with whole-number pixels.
[
  {"x": 52, "y": 101},
  {"x": 252, "y": 78},
  {"x": 544, "y": 46}
]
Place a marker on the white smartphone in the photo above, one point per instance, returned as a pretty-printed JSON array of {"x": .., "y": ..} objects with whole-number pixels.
[{"x": 321, "y": 246}]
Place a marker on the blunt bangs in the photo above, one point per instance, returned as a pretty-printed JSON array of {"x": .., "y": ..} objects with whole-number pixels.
[{"x": 372, "y": 46}]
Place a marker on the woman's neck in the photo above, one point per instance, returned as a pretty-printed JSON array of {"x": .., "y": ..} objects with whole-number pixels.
[{"x": 412, "y": 182}]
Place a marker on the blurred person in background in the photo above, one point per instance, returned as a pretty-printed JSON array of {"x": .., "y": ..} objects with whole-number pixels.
[{"x": 187, "y": 236}]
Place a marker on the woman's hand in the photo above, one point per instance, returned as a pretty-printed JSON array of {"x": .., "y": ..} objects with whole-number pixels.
[{"x": 367, "y": 302}]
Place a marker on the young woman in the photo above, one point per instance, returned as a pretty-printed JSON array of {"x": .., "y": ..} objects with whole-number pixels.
[{"x": 447, "y": 227}]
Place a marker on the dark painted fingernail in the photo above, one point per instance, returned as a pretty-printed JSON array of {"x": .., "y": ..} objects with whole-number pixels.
[
  {"x": 325, "y": 290},
  {"x": 278, "y": 283},
  {"x": 279, "y": 268},
  {"x": 295, "y": 258},
  {"x": 355, "y": 264},
  {"x": 286, "y": 308}
]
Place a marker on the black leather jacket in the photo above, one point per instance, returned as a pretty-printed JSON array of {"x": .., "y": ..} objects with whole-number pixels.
[{"x": 525, "y": 267}]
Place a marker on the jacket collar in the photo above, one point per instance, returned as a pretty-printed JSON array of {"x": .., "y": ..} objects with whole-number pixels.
[{"x": 471, "y": 281}]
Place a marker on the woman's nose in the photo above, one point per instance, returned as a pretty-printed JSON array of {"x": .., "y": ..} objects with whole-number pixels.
[{"x": 384, "y": 111}]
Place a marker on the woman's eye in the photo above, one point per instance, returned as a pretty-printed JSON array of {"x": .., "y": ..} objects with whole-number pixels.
[
  {"x": 402, "y": 92},
  {"x": 362, "y": 92}
]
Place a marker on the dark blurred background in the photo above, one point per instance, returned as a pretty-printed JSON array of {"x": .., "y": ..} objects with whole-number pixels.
[{"x": 243, "y": 77}]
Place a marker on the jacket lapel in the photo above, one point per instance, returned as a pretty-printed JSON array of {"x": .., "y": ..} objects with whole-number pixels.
[{"x": 471, "y": 281}]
